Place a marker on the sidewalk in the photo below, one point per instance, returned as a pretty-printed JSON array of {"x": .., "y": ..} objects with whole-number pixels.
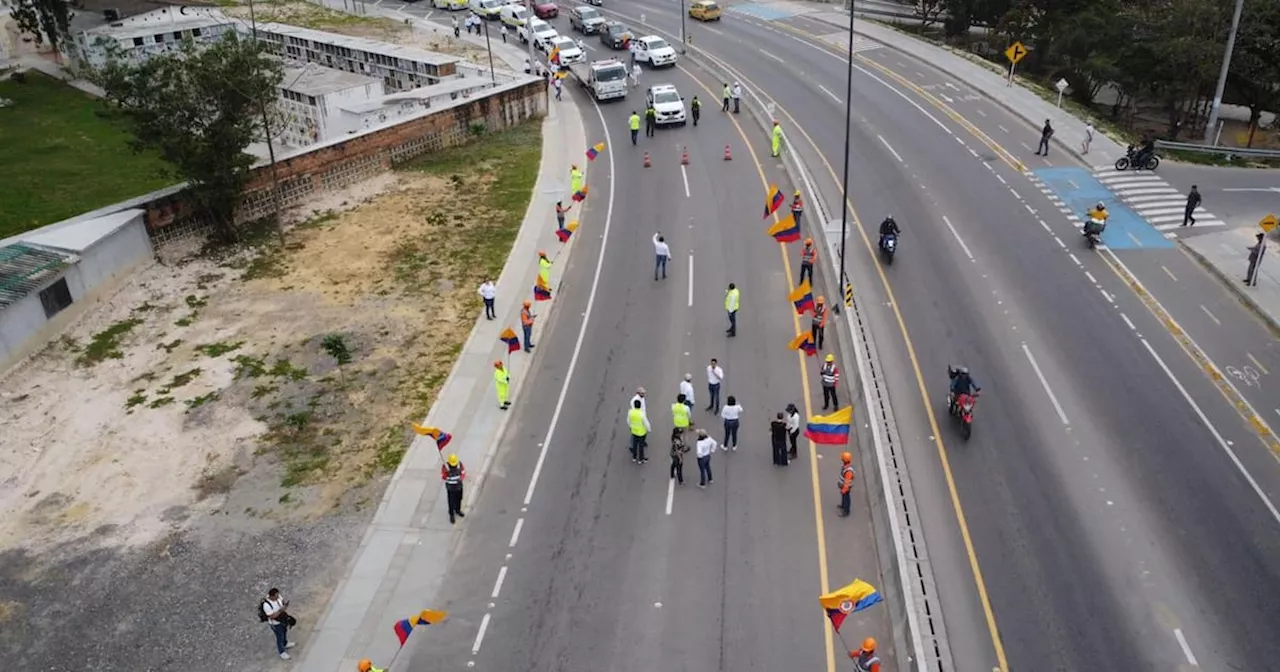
[
  {"x": 402, "y": 558},
  {"x": 512, "y": 54},
  {"x": 1226, "y": 255}
]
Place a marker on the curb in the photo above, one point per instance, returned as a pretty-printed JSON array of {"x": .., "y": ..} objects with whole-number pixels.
[{"x": 1233, "y": 285}]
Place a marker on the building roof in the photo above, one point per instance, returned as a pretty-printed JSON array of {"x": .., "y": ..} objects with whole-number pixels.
[
  {"x": 359, "y": 44},
  {"x": 82, "y": 235},
  {"x": 164, "y": 20},
  {"x": 412, "y": 95},
  {"x": 23, "y": 269},
  {"x": 317, "y": 80}
]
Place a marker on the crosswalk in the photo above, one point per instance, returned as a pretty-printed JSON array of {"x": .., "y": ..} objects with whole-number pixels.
[{"x": 1152, "y": 198}]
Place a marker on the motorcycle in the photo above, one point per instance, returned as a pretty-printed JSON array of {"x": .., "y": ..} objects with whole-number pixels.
[
  {"x": 888, "y": 246},
  {"x": 1130, "y": 160},
  {"x": 961, "y": 408},
  {"x": 1093, "y": 231}
]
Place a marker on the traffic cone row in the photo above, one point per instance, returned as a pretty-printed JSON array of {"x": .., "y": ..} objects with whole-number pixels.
[{"x": 728, "y": 156}]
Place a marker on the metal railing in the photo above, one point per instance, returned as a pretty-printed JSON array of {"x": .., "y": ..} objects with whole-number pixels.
[{"x": 1247, "y": 152}]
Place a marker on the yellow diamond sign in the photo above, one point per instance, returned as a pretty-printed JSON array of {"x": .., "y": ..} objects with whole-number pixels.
[
  {"x": 1016, "y": 52},
  {"x": 1269, "y": 222}
]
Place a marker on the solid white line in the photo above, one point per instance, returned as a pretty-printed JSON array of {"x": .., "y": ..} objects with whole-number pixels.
[
  {"x": 1199, "y": 225},
  {"x": 1158, "y": 209},
  {"x": 1128, "y": 321},
  {"x": 1166, "y": 198},
  {"x": 690, "y": 273},
  {"x": 685, "y": 174},
  {"x": 833, "y": 96},
  {"x": 1206, "y": 312},
  {"x": 951, "y": 86},
  {"x": 515, "y": 534},
  {"x": 1045, "y": 384},
  {"x": 484, "y": 625},
  {"x": 1166, "y": 191},
  {"x": 771, "y": 56},
  {"x": 890, "y": 148},
  {"x": 1214, "y": 431},
  {"x": 671, "y": 494},
  {"x": 1186, "y": 650},
  {"x": 497, "y": 585},
  {"x": 955, "y": 233},
  {"x": 586, "y": 320}
]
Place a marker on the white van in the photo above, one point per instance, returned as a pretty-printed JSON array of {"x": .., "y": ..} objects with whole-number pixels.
[
  {"x": 514, "y": 15},
  {"x": 486, "y": 9},
  {"x": 451, "y": 5}
]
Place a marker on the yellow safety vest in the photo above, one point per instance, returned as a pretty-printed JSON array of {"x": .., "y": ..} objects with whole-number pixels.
[
  {"x": 544, "y": 270},
  {"x": 635, "y": 122},
  {"x": 635, "y": 419},
  {"x": 777, "y": 133},
  {"x": 731, "y": 300},
  {"x": 500, "y": 377},
  {"x": 680, "y": 415},
  {"x": 575, "y": 179},
  {"x": 726, "y": 92}
]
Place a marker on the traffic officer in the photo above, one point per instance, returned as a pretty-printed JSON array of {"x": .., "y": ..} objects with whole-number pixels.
[
  {"x": 366, "y": 665},
  {"x": 650, "y": 120},
  {"x": 502, "y": 383},
  {"x": 732, "y": 299},
  {"x": 526, "y": 324},
  {"x": 544, "y": 268},
  {"x": 696, "y": 108},
  {"x": 737, "y": 98},
  {"x": 797, "y": 208},
  {"x": 452, "y": 472},
  {"x": 819, "y": 329},
  {"x": 807, "y": 256},
  {"x": 865, "y": 659},
  {"x": 776, "y": 142},
  {"x": 634, "y": 125},
  {"x": 680, "y": 414},
  {"x": 727, "y": 94},
  {"x": 575, "y": 179},
  {"x": 846, "y": 485},
  {"x": 638, "y": 423},
  {"x": 830, "y": 376}
]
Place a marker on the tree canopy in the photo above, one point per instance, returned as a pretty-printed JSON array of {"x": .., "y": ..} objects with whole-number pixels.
[{"x": 44, "y": 20}]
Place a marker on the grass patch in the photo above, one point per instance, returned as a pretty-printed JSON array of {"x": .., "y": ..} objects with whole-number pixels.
[
  {"x": 218, "y": 349},
  {"x": 137, "y": 399},
  {"x": 106, "y": 343},
  {"x": 170, "y": 346},
  {"x": 248, "y": 366},
  {"x": 283, "y": 368},
  {"x": 193, "y": 404},
  {"x": 161, "y": 401},
  {"x": 64, "y": 156},
  {"x": 182, "y": 379},
  {"x": 391, "y": 449}
]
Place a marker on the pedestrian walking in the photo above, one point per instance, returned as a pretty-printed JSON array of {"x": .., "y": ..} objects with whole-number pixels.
[
  {"x": 1088, "y": 138},
  {"x": 807, "y": 258},
  {"x": 793, "y": 427},
  {"x": 1045, "y": 134},
  {"x": 638, "y": 423},
  {"x": 732, "y": 415},
  {"x": 797, "y": 211},
  {"x": 457, "y": 32},
  {"x": 737, "y": 97},
  {"x": 635, "y": 74},
  {"x": 1193, "y": 202},
  {"x": 678, "y": 450},
  {"x": 695, "y": 106},
  {"x": 661, "y": 255},
  {"x": 526, "y": 324},
  {"x": 830, "y": 375},
  {"x": 634, "y": 124},
  {"x": 489, "y": 293},
  {"x": 559, "y": 87},
  {"x": 650, "y": 121},
  {"x": 453, "y": 472},
  {"x": 680, "y": 414},
  {"x": 704, "y": 447},
  {"x": 561, "y": 211},
  {"x": 732, "y": 301},
  {"x": 775, "y": 141},
  {"x": 686, "y": 390},
  {"x": 846, "y": 482},
  {"x": 715, "y": 375},
  {"x": 727, "y": 95},
  {"x": 865, "y": 659},
  {"x": 640, "y": 397},
  {"x": 778, "y": 440},
  {"x": 274, "y": 612},
  {"x": 503, "y": 30},
  {"x": 1255, "y": 258},
  {"x": 818, "y": 330},
  {"x": 528, "y": 66},
  {"x": 502, "y": 384}
]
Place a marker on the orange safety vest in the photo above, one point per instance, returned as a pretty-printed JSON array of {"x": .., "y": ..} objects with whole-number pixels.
[
  {"x": 526, "y": 317},
  {"x": 797, "y": 207},
  {"x": 820, "y": 315},
  {"x": 808, "y": 255},
  {"x": 846, "y": 478}
]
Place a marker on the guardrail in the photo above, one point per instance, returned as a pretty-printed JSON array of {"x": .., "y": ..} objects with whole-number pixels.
[{"x": 1247, "y": 152}]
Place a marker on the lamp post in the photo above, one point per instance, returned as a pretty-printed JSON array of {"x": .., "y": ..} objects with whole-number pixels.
[
  {"x": 1222, "y": 75},
  {"x": 493, "y": 77},
  {"x": 683, "y": 35},
  {"x": 844, "y": 187},
  {"x": 528, "y": 29}
]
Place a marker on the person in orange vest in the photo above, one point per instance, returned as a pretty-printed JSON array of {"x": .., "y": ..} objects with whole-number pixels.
[
  {"x": 526, "y": 323},
  {"x": 366, "y": 665},
  {"x": 807, "y": 256},
  {"x": 453, "y": 473},
  {"x": 797, "y": 207},
  {"x": 846, "y": 484},
  {"x": 865, "y": 658},
  {"x": 819, "y": 330}
]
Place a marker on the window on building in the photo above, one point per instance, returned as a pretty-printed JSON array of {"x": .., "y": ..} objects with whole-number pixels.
[
  {"x": 177, "y": 35},
  {"x": 137, "y": 41},
  {"x": 55, "y": 298},
  {"x": 311, "y": 100},
  {"x": 159, "y": 39},
  {"x": 195, "y": 32}
]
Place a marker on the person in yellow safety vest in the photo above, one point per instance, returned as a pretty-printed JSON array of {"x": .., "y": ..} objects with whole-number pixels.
[
  {"x": 638, "y": 423},
  {"x": 865, "y": 658},
  {"x": 807, "y": 256},
  {"x": 846, "y": 483},
  {"x": 732, "y": 300},
  {"x": 366, "y": 665},
  {"x": 680, "y": 413},
  {"x": 819, "y": 329},
  {"x": 634, "y": 125},
  {"x": 544, "y": 268},
  {"x": 575, "y": 179},
  {"x": 502, "y": 383},
  {"x": 727, "y": 94},
  {"x": 797, "y": 208},
  {"x": 776, "y": 144}
]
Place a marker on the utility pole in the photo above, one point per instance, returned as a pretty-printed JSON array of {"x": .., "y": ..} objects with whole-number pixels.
[
  {"x": 844, "y": 188},
  {"x": 528, "y": 30},
  {"x": 271, "y": 148},
  {"x": 684, "y": 39},
  {"x": 1222, "y": 75},
  {"x": 493, "y": 77}
]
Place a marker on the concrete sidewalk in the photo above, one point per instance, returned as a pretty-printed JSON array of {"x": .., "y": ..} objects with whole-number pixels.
[
  {"x": 404, "y": 554},
  {"x": 1226, "y": 255},
  {"x": 512, "y": 54}
]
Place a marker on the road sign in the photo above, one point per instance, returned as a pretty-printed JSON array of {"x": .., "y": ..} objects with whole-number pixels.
[
  {"x": 1016, "y": 52},
  {"x": 1269, "y": 222},
  {"x": 1061, "y": 85},
  {"x": 848, "y": 294}
]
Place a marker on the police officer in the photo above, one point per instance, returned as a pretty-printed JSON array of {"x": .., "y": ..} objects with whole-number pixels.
[
  {"x": 452, "y": 472},
  {"x": 544, "y": 268},
  {"x": 727, "y": 94},
  {"x": 638, "y": 423},
  {"x": 819, "y": 329},
  {"x": 807, "y": 256},
  {"x": 650, "y": 120},
  {"x": 680, "y": 414},
  {"x": 502, "y": 383},
  {"x": 634, "y": 125},
  {"x": 846, "y": 485},
  {"x": 366, "y": 665},
  {"x": 696, "y": 108}
]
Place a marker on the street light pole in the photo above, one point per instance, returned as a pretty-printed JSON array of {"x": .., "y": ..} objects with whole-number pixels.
[
  {"x": 488, "y": 45},
  {"x": 1222, "y": 75},
  {"x": 528, "y": 29},
  {"x": 683, "y": 35},
  {"x": 844, "y": 189}
]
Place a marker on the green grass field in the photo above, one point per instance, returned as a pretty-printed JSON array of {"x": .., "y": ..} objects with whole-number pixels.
[{"x": 59, "y": 158}]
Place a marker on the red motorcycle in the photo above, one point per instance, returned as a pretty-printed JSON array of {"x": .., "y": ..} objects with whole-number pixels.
[{"x": 962, "y": 408}]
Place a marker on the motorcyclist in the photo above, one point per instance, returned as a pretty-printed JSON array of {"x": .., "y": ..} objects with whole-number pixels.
[
  {"x": 961, "y": 383},
  {"x": 1097, "y": 219},
  {"x": 1146, "y": 148},
  {"x": 888, "y": 226}
]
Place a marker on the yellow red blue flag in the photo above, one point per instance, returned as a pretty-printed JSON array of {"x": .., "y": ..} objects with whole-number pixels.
[{"x": 850, "y": 599}]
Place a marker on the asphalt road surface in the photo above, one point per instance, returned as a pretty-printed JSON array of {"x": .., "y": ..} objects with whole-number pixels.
[
  {"x": 603, "y": 564},
  {"x": 1119, "y": 504}
]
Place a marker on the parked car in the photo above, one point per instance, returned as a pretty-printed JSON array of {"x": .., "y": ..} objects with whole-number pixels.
[
  {"x": 615, "y": 35},
  {"x": 569, "y": 52},
  {"x": 543, "y": 33},
  {"x": 451, "y": 5},
  {"x": 486, "y": 9},
  {"x": 546, "y": 10},
  {"x": 586, "y": 20},
  {"x": 704, "y": 10}
]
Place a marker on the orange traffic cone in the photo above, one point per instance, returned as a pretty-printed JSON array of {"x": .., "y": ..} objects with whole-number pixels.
[
  {"x": 728, "y": 156},
  {"x": 684, "y": 156},
  {"x": 647, "y": 162}
]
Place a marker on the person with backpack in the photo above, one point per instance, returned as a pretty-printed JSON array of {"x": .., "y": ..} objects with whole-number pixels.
[{"x": 272, "y": 612}]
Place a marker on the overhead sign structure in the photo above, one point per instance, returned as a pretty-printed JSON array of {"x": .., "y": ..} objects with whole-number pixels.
[
  {"x": 1269, "y": 222},
  {"x": 1016, "y": 52}
]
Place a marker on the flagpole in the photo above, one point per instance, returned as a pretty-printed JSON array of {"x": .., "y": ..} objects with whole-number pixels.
[{"x": 843, "y": 643}]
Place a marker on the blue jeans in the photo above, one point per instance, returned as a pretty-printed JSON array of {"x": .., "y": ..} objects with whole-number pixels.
[
  {"x": 731, "y": 433},
  {"x": 528, "y": 336},
  {"x": 282, "y": 636},
  {"x": 489, "y": 312},
  {"x": 704, "y": 470},
  {"x": 638, "y": 444},
  {"x": 659, "y": 262},
  {"x": 733, "y": 322},
  {"x": 844, "y": 503},
  {"x": 713, "y": 390}
]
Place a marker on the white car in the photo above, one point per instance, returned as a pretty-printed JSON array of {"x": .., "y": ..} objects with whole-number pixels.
[
  {"x": 653, "y": 50},
  {"x": 570, "y": 52},
  {"x": 451, "y": 5},
  {"x": 543, "y": 33},
  {"x": 486, "y": 9},
  {"x": 667, "y": 104}
]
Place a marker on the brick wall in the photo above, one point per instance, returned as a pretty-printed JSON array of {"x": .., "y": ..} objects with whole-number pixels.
[{"x": 335, "y": 165}]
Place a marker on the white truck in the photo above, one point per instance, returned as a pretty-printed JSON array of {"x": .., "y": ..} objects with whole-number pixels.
[{"x": 605, "y": 78}]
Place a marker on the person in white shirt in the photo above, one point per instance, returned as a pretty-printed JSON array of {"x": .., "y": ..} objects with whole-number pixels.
[
  {"x": 715, "y": 375},
  {"x": 731, "y": 414},
  {"x": 644, "y": 405},
  {"x": 737, "y": 97},
  {"x": 793, "y": 426},
  {"x": 489, "y": 292},
  {"x": 661, "y": 254},
  {"x": 686, "y": 388},
  {"x": 273, "y": 608},
  {"x": 556, "y": 82},
  {"x": 705, "y": 447},
  {"x": 635, "y": 75}
]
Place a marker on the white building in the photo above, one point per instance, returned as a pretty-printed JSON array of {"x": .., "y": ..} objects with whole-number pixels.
[
  {"x": 399, "y": 68},
  {"x": 137, "y": 38},
  {"x": 312, "y": 99}
]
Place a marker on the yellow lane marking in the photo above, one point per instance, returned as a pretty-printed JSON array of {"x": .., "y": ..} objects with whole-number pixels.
[
  {"x": 979, "y": 583},
  {"x": 808, "y": 403}
]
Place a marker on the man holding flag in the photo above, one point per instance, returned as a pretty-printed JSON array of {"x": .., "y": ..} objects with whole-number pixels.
[{"x": 526, "y": 324}]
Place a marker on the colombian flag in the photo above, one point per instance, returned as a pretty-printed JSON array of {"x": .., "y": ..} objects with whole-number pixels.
[
  {"x": 804, "y": 342},
  {"x": 785, "y": 230},
  {"x": 425, "y": 617},
  {"x": 509, "y": 337},
  {"x": 555, "y": 55},
  {"x": 566, "y": 231},
  {"x": 442, "y": 437},
  {"x": 541, "y": 292},
  {"x": 802, "y": 298},
  {"x": 594, "y": 151},
  {"x": 773, "y": 201},
  {"x": 581, "y": 194},
  {"x": 848, "y": 600},
  {"x": 830, "y": 430}
]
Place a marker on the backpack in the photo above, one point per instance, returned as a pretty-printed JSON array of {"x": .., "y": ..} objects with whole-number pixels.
[{"x": 262, "y": 614}]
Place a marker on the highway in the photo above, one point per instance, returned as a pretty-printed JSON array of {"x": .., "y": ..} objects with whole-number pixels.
[
  {"x": 1119, "y": 505},
  {"x": 576, "y": 559}
]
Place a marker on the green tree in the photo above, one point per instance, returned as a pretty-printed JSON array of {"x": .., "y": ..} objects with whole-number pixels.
[
  {"x": 44, "y": 20},
  {"x": 200, "y": 107},
  {"x": 1088, "y": 44},
  {"x": 1254, "y": 79}
]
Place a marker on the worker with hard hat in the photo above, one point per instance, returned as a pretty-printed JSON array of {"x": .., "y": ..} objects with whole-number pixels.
[
  {"x": 830, "y": 375},
  {"x": 453, "y": 472},
  {"x": 865, "y": 659},
  {"x": 776, "y": 139},
  {"x": 544, "y": 268},
  {"x": 797, "y": 208},
  {"x": 819, "y": 329},
  {"x": 366, "y": 665},
  {"x": 846, "y": 483},
  {"x": 575, "y": 179},
  {"x": 502, "y": 383},
  {"x": 526, "y": 324},
  {"x": 808, "y": 256}
]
